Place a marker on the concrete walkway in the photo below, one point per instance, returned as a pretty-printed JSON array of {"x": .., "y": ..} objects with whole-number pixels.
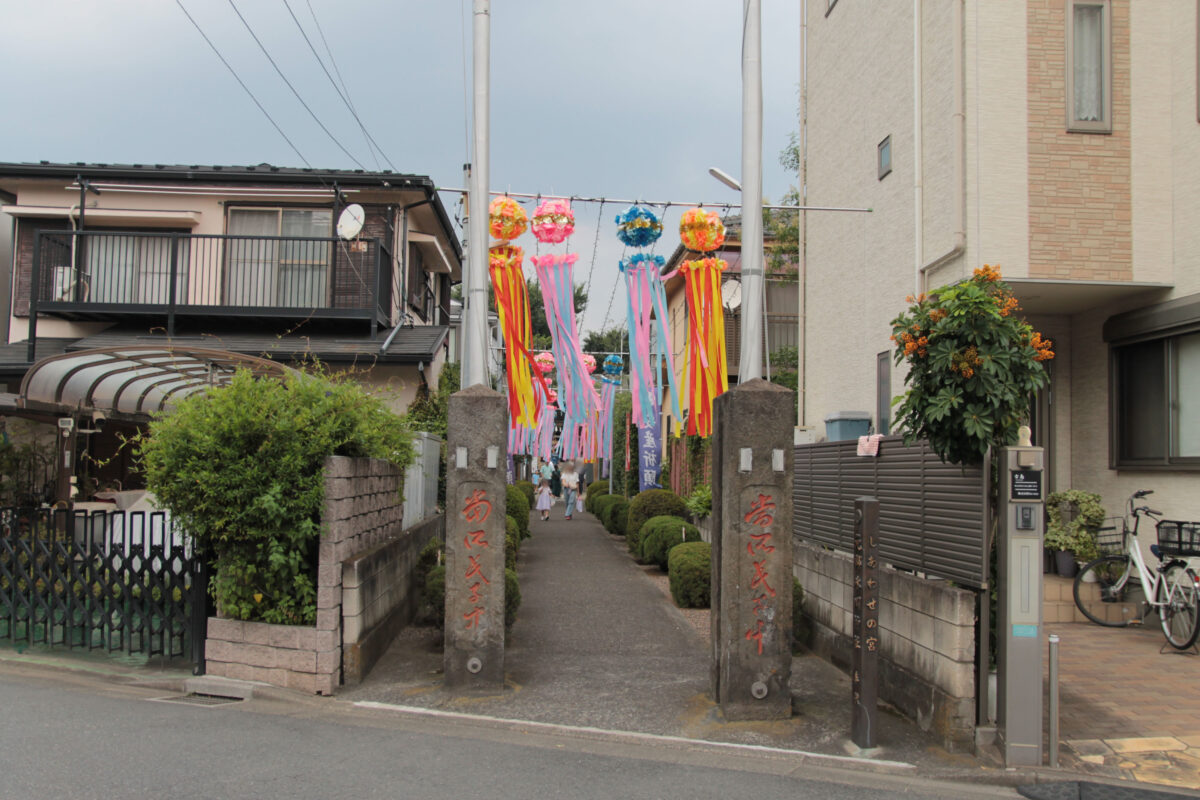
[{"x": 599, "y": 643}]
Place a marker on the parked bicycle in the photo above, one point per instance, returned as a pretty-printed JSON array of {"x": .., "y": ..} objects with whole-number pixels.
[{"x": 1118, "y": 589}]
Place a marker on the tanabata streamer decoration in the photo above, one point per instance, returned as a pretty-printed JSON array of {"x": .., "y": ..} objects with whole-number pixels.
[
  {"x": 553, "y": 221},
  {"x": 512, "y": 306},
  {"x": 610, "y": 381},
  {"x": 646, "y": 309},
  {"x": 638, "y": 226},
  {"x": 506, "y": 219},
  {"x": 704, "y": 356}
]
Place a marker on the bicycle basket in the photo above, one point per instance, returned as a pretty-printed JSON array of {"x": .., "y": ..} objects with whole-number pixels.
[
  {"x": 1176, "y": 538},
  {"x": 1110, "y": 539}
]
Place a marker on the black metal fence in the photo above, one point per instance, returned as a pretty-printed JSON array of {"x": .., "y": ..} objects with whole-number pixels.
[
  {"x": 116, "y": 581},
  {"x": 90, "y": 272},
  {"x": 932, "y": 516}
]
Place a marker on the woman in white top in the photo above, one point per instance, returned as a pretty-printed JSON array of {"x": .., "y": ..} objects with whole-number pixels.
[{"x": 570, "y": 485}]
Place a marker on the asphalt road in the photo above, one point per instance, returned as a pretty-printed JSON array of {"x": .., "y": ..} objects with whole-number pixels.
[{"x": 72, "y": 735}]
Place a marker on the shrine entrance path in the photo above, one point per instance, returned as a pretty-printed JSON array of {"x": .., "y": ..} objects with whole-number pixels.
[{"x": 597, "y": 643}]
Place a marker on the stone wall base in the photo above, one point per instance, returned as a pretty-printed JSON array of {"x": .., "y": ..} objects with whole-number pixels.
[{"x": 290, "y": 656}]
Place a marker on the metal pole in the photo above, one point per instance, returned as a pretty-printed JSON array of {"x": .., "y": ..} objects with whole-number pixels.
[
  {"x": 1053, "y": 743},
  {"x": 475, "y": 298},
  {"x": 751, "y": 357}
]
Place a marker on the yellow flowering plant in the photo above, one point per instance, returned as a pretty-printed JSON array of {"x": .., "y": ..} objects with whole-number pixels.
[{"x": 972, "y": 365}]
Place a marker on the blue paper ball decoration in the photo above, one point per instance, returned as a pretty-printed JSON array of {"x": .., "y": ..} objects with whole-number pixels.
[{"x": 638, "y": 226}]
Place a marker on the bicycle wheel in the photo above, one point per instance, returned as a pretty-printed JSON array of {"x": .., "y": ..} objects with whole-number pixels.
[
  {"x": 1179, "y": 613},
  {"x": 1103, "y": 592}
]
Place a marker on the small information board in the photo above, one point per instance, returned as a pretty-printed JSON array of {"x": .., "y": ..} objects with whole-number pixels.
[{"x": 1026, "y": 484}]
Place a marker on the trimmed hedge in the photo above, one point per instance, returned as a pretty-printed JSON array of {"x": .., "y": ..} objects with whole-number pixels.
[
  {"x": 601, "y": 504},
  {"x": 660, "y": 534},
  {"x": 690, "y": 569},
  {"x": 512, "y": 542},
  {"x": 435, "y": 595},
  {"x": 517, "y": 507},
  {"x": 595, "y": 491},
  {"x": 527, "y": 488},
  {"x": 651, "y": 503},
  {"x": 616, "y": 515},
  {"x": 512, "y": 597}
]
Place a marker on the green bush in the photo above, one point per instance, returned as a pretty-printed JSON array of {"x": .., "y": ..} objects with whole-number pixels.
[
  {"x": 660, "y": 534},
  {"x": 512, "y": 542},
  {"x": 241, "y": 468},
  {"x": 799, "y": 623},
  {"x": 527, "y": 488},
  {"x": 434, "y": 595},
  {"x": 689, "y": 567},
  {"x": 616, "y": 515},
  {"x": 651, "y": 503},
  {"x": 594, "y": 492},
  {"x": 601, "y": 504},
  {"x": 430, "y": 557},
  {"x": 699, "y": 502},
  {"x": 512, "y": 597},
  {"x": 517, "y": 507}
]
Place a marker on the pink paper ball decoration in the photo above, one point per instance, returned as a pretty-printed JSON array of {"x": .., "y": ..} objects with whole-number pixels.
[{"x": 553, "y": 221}]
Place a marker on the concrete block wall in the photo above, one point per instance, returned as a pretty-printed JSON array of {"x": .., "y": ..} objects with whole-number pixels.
[
  {"x": 379, "y": 595},
  {"x": 291, "y": 656},
  {"x": 927, "y": 639}
]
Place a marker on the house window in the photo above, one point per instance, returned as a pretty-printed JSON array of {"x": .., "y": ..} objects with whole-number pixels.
[
  {"x": 418, "y": 289},
  {"x": 1156, "y": 402},
  {"x": 883, "y": 392},
  {"x": 278, "y": 257},
  {"x": 1089, "y": 66},
  {"x": 127, "y": 268},
  {"x": 885, "y": 157}
]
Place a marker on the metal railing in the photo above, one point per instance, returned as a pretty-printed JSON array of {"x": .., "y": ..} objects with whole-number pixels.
[
  {"x": 118, "y": 581},
  {"x": 91, "y": 273}
]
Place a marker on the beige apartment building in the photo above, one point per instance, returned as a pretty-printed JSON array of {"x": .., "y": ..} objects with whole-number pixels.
[{"x": 1058, "y": 140}]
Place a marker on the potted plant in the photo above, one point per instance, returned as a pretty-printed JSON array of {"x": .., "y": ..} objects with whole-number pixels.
[{"x": 1072, "y": 518}]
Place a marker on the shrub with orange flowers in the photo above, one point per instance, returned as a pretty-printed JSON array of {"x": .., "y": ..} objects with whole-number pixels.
[{"x": 972, "y": 364}]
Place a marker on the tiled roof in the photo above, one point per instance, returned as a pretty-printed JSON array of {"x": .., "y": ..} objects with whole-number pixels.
[{"x": 258, "y": 173}]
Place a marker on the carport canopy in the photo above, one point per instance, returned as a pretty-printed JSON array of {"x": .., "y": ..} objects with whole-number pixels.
[{"x": 133, "y": 382}]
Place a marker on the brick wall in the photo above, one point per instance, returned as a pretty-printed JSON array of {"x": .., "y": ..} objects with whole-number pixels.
[
  {"x": 927, "y": 639},
  {"x": 362, "y": 510},
  {"x": 1080, "y": 206}
]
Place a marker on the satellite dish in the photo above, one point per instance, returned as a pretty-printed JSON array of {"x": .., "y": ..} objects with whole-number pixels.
[
  {"x": 350, "y": 223},
  {"x": 731, "y": 295}
]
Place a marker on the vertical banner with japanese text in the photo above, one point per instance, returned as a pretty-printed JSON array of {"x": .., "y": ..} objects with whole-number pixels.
[{"x": 649, "y": 456}]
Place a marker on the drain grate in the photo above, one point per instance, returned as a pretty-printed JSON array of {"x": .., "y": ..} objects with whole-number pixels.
[{"x": 196, "y": 699}]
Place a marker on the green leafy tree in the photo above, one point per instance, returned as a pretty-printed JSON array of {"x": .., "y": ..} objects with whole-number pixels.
[
  {"x": 610, "y": 340},
  {"x": 784, "y": 365},
  {"x": 241, "y": 467},
  {"x": 972, "y": 365}
]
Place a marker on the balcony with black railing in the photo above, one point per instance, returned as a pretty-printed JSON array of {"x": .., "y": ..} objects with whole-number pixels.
[{"x": 108, "y": 275}]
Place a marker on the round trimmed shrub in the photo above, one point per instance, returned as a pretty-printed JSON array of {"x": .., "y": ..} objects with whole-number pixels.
[
  {"x": 690, "y": 569},
  {"x": 435, "y": 594},
  {"x": 517, "y": 507},
  {"x": 512, "y": 597},
  {"x": 660, "y": 534},
  {"x": 616, "y": 515},
  {"x": 512, "y": 542},
  {"x": 595, "y": 491},
  {"x": 601, "y": 504},
  {"x": 527, "y": 488},
  {"x": 651, "y": 503}
]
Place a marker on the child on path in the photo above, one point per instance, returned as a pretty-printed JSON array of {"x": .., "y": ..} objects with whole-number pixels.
[{"x": 542, "y": 503}]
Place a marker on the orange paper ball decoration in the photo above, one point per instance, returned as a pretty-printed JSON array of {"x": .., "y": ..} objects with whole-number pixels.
[
  {"x": 506, "y": 219},
  {"x": 701, "y": 230}
]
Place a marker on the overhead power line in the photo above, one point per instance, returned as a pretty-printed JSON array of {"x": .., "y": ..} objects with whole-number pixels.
[
  {"x": 311, "y": 113},
  {"x": 242, "y": 83}
]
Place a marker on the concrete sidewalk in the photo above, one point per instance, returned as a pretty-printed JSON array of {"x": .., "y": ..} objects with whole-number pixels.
[{"x": 597, "y": 643}]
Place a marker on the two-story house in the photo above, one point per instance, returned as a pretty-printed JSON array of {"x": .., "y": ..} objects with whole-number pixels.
[
  {"x": 250, "y": 261},
  {"x": 1056, "y": 139}
]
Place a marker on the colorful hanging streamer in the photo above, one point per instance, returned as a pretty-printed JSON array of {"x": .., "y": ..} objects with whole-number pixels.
[
  {"x": 512, "y": 306},
  {"x": 646, "y": 311},
  {"x": 576, "y": 391},
  {"x": 704, "y": 356}
]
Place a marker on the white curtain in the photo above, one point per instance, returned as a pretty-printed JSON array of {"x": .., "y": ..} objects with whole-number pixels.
[{"x": 1088, "y": 50}]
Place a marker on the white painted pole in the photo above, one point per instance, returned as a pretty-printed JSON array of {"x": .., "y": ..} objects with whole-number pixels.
[
  {"x": 475, "y": 311},
  {"x": 750, "y": 360}
]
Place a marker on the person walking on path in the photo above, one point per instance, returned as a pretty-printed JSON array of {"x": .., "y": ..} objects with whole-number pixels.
[
  {"x": 570, "y": 484},
  {"x": 543, "y": 499},
  {"x": 546, "y": 471},
  {"x": 556, "y": 482}
]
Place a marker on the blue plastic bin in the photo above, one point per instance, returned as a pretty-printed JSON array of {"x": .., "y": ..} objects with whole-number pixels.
[{"x": 843, "y": 425}]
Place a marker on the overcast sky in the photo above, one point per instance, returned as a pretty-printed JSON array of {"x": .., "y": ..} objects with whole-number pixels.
[{"x": 621, "y": 99}]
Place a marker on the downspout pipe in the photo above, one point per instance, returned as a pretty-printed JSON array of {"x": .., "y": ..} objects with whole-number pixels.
[
  {"x": 959, "y": 122},
  {"x": 918, "y": 148},
  {"x": 802, "y": 238}
]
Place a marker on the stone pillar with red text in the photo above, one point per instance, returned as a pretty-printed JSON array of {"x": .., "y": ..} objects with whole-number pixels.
[
  {"x": 752, "y": 552},
  {"x": 473, "y": 656}
]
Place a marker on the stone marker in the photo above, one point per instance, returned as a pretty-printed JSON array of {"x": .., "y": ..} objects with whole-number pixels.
[
  {"x": 475, "y": 451},
  {"x": 752, "y": 552}
]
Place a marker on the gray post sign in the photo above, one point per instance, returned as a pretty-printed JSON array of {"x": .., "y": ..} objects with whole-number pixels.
[
  {"x": 473, "y": 657},
  {"x": 864, "y": 659},
  {"x": 1019, "y": 626},
  {"x": 752, "y": 552}
]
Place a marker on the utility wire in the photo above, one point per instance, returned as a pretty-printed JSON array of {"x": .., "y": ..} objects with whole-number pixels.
[
  {"x": 242, "y": 83},
  {"x": 595, "y": 249},
  {"x": 316, "y": 119},
  {"x": 346, "y": 100}
]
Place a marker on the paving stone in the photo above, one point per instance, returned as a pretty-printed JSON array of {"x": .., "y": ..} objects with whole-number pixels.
[{"x": 1145, "y": 744}]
